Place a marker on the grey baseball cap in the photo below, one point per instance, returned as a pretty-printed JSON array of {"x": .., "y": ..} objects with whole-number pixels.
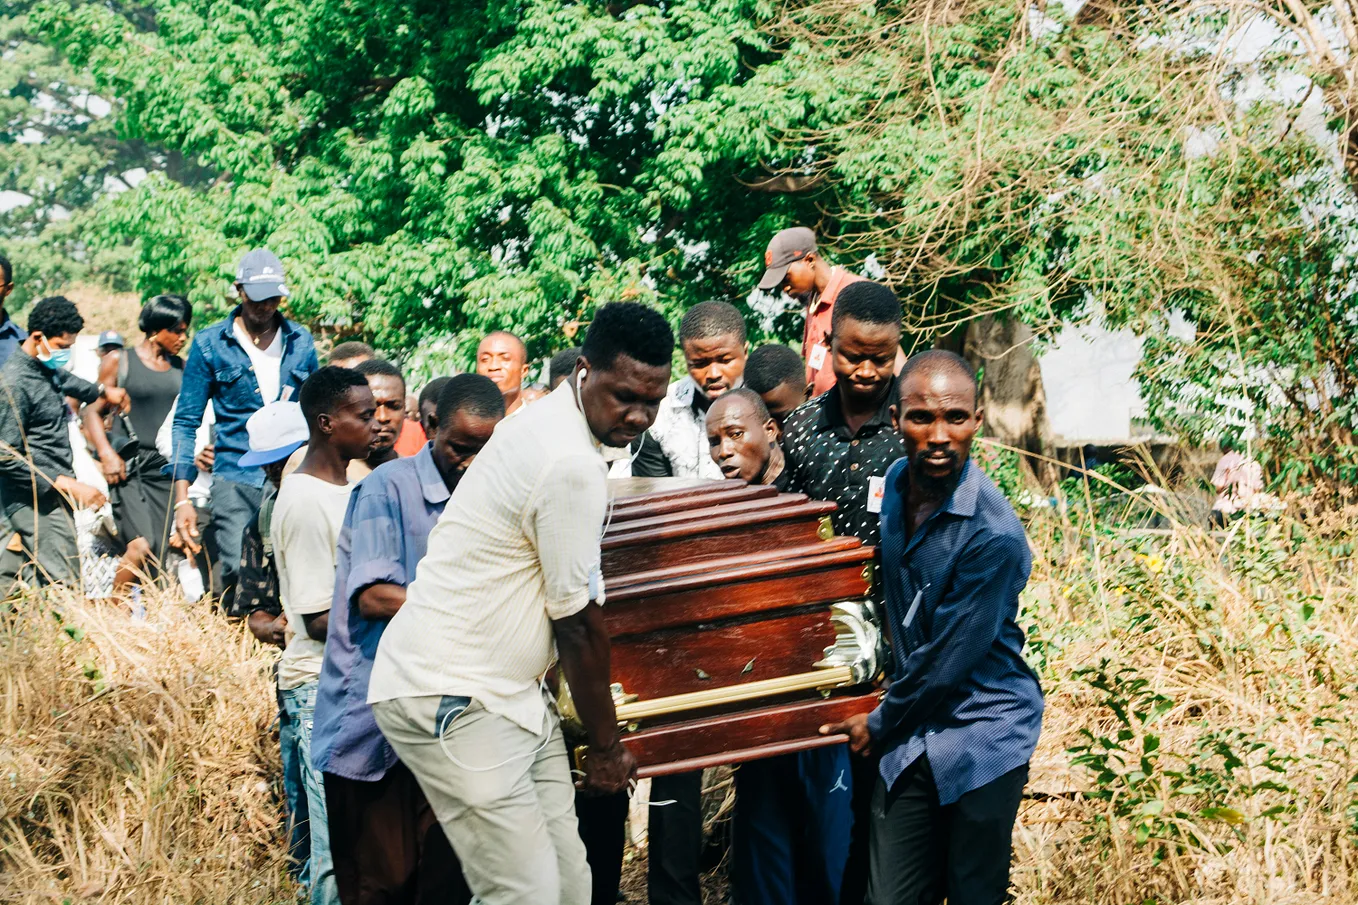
[
  {"x": 110, "y": 338},
  {"x": 261, "y": 273},
  {"x": 788, "y": 246}
]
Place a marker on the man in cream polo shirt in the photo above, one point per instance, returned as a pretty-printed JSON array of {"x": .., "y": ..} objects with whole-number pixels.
[{"x": 512, "y": 572}]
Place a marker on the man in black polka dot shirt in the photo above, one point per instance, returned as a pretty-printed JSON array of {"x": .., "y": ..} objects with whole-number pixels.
[
  {"x": 840, "y": 444},
  {"x": 795, "y": 826}
]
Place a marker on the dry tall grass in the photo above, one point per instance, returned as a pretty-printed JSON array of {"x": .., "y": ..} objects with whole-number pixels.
[
  {"x": 105, "y": 310},
  {"x": 136, "y": 761},
  {"x": 1198, "y": 739},
  {"x": 1214, "y": 678}
]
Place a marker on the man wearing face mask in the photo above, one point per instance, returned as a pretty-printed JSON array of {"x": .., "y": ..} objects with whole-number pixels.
[
  {"x": 386, "y": 843},
  {"x": 511, "y": 582},
  {"x": 37, "y": 477},
  {"x": 962, "y": 714},
  {"x": 253, "y": 357}
]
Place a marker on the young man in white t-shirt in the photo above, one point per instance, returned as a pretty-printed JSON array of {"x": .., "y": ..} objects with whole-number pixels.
[{"x": 307, "y": 516}]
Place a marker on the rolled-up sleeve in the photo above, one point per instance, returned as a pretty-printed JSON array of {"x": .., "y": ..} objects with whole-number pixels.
[
  {"x": 565, "y": 523},
  {"x": 376, "y": 540}
]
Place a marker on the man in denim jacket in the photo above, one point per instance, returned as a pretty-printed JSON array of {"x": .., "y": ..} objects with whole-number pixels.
[{"x": 253, "y": 357}]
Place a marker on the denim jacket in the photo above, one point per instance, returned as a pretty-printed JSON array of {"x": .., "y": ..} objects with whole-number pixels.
[{"x": 218, "y": 371}]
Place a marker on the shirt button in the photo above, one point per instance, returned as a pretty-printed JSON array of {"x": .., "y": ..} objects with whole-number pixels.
[
  {"x": 853, "y": 467},
  {"x": 853, "y": 443}
]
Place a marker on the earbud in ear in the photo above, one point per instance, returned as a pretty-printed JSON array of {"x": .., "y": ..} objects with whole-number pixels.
[{"x": 584, "y": 372}]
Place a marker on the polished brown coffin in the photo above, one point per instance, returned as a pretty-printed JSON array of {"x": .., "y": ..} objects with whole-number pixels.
[{"x": 740, "y": 623}]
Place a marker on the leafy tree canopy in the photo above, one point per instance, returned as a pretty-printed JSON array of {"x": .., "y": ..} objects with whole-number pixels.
[
  {"x": 60, "y": 152},
  {"x": 425, "y": 173},
  {"x": 430, "y": 173}
]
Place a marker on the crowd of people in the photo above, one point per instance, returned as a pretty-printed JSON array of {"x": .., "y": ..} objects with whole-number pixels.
[{"x": 429, "y": 563}]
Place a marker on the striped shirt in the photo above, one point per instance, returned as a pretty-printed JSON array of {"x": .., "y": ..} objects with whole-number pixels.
[{"x": 514, "y": 549}]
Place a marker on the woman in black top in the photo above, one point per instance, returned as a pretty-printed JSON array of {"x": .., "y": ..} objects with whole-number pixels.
[{"x": 151, "y": 372}]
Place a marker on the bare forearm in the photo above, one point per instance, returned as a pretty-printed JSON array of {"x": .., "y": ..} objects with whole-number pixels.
[
  {"x": 583, "y": 643},
  {"x": 261, "y": 626},
  {"x": 381, "y": 601},
  {"x": 92, "y": 416},
  {"x": 317, "y": 625}
]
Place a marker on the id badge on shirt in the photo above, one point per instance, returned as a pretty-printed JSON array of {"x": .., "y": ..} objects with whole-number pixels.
[
  {"x": 816, "y": 360},
  {"x": 876, "y": 490}
]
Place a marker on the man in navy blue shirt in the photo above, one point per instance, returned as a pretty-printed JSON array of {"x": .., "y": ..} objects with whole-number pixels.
[
  {"x": 962, "y": 715},
  {"x": 386, "y": 843},
  {"x": 238, "y": 365}
]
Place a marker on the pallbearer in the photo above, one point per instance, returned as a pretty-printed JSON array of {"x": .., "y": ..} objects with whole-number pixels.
[
  {"x": 387, "y": 846},
  {"x": 795, "y": 815},
  {"x": 963, "y": 712},
  {"x": 512, "y": 571}
]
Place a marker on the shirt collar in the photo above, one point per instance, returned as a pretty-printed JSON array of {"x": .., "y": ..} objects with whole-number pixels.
[
  {"x": 286, "y": 327},
  {"x": 964, "y": 495},
  {"x": 9, "y": 328},
  {"x": 431, "y": 482},
  {"x": 962, "y": 501},
  {"x": 568, "y": 393},
  {"x": 825, "y": 299},
  {"x": 24, "y": 360},
  {"x": 832, "y": 414}
]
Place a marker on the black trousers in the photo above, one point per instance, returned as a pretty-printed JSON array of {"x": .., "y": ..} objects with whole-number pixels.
[
  {"x": 387, "y": 845},
  {"x": 603, "y": 829},
  {"x": 923, "y": 852},
  {"x": 675, "y": 849}
]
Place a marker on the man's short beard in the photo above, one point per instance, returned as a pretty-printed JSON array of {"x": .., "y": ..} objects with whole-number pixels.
[{"x": 932, "y": 487}]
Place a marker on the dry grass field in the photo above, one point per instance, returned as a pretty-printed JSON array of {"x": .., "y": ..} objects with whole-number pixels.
[{"x": 1197, "y": 744}]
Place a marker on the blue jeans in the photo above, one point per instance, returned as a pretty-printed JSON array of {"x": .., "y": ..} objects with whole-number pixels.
[
  {"x": 294, "y": 794},
  {"x": 300, "y": 706},
  {"x": 792, "y": 823},
  {"x": 233, "y": 505}
]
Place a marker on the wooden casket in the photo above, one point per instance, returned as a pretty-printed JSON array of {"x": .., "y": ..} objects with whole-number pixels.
[{"x": 740, "y": 624}]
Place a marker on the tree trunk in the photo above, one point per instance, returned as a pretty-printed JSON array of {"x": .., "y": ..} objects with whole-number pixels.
[{"x": 1012, "y": 394}]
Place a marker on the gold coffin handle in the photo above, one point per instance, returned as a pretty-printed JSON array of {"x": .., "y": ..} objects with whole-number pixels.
[
  {"x": 825, "y": 530},
  {"x": 816, "y": 680}
]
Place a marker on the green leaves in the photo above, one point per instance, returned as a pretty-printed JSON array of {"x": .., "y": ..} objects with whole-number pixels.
[{"x": 427, "y": 175}]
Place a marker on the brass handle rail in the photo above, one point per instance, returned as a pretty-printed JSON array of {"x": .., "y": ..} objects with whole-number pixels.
[{"x": 819, "y": 679}]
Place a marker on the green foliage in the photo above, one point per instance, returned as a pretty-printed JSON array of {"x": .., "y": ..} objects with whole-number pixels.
[
  {"x": 431, "y": 176},
  {"x": 57, "y": 148},
  {"x": 999, "y": 161},
  {"x": 426, "y": 174}
]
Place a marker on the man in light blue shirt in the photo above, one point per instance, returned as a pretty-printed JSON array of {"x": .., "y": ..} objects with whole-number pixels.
[{"x": 386, "y": 843}]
